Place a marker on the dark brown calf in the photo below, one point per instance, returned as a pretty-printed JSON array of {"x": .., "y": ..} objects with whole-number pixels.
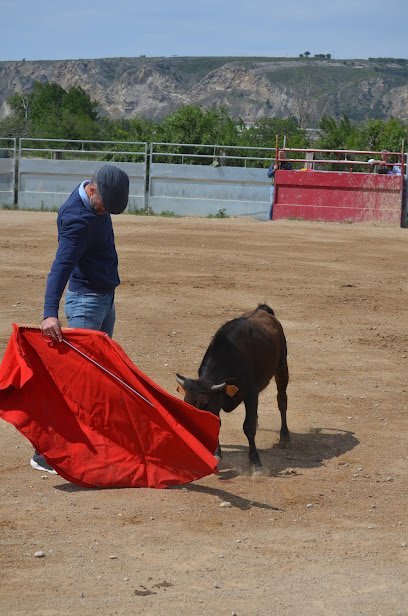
[{"x": 242, "y": 358}]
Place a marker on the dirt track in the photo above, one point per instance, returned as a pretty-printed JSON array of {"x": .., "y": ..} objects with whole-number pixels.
[{"x": 324, "y": 530}]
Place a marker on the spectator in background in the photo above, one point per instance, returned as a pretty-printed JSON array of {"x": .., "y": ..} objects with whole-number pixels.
[
  {"x": 383, "y": 166},
  {"x": 371, "y": 162},
  {"x": 280, "y": 164},
  {"x": 395, "y": 170}
]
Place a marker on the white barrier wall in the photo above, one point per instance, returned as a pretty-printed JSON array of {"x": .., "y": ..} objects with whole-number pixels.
[
  {"x": 46, "y": 184},
  {"x": 7, "y": 175},
  {"x": 7, "y": 171},
  {"x": 200, "y": 190}
]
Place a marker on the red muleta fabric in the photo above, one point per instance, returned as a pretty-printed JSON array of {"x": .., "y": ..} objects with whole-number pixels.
[{"x": 91, "y": 428}]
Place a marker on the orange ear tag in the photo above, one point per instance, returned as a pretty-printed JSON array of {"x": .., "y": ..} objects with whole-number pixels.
[
  {"x": 181, "y": 390},
  {"x": 231, "y": 390}
]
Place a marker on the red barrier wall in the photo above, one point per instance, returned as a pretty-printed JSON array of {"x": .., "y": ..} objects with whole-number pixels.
[{"x": 338, "y": 196}]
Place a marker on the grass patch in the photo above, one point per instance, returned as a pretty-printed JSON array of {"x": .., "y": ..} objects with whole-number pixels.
[
  {"x": 149, "y": 212},
  {"x": 222, "y": 213}
]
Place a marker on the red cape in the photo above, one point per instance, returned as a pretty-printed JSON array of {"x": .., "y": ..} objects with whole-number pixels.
[{"x": 90, "y": 426}]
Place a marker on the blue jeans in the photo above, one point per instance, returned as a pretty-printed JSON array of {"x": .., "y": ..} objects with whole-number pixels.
[{"x": 91, "y": 311}]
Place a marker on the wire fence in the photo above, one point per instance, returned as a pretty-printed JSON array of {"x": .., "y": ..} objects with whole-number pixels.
[{"x": 75, "y": 149}]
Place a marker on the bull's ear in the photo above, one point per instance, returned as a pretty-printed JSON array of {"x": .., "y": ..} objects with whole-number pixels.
[
  {"x": 231, "y": 390},
  {"x": 181, "y": 390}
]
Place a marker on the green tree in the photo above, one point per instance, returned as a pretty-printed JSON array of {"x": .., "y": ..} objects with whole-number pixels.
[
  {"x": 49, "y": 111},
  {"x": 193, "y": 124},
  {"x": 263, "y": 133},
  {"x": 393, "y": 134},
  {"x": 338, "y": 135},
  {"x": 17, "y": 123},
  {"x": 379, "y": 135},
  {"x": 374, "y": 135},
  {"x": 134, "y": 129}
]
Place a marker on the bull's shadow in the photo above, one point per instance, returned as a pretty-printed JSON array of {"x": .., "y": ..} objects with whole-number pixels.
[
  {"x": 308, "y": 450},
  {"x": 305, "y": 450}
]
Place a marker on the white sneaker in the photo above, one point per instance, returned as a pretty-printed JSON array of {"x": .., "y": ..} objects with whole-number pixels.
[{"x": 39, "y": 463}]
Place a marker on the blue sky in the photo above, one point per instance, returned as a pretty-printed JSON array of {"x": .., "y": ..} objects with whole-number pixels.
[{"x": 53, "y": 30}]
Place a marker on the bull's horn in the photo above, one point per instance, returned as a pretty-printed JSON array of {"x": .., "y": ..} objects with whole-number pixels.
[
  {"x": 180, "y": 379},
  {"x": 218, "y": 387}
]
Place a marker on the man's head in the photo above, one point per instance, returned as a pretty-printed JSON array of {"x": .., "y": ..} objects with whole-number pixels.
[
  {"x": 384, "y": 156},
  {"x": 109, "y": 190}
]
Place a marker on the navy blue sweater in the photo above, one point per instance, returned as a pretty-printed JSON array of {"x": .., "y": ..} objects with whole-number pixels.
[{"x": 86, "y": 254}]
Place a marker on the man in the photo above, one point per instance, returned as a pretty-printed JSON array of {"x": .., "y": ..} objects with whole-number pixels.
[
  {"x": 282, "y": 164},
  {"x": 384, "y": 167},
  {"x": 86, "y": 258}
]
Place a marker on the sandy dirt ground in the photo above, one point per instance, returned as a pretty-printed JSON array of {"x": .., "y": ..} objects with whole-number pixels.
[{"x": 323, "y": 530}]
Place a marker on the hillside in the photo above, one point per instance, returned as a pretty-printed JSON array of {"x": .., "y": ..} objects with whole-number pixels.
[{"x": 251, "y": 88}]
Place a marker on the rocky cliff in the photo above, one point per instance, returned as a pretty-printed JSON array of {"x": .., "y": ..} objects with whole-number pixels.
[{"x": 249, "y": 87}]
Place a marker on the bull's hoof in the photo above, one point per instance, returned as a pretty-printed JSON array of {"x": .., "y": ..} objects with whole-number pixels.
[
  {"x": 257, "y": 470},
  {"x": 284, "y": 440}
]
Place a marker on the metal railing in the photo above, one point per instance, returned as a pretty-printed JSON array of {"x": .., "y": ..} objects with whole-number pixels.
[
  {"x": 82, "y": 149},
  {"x": 217, "y": 155},
  {"x": 347, "y": 160},
  {"x": 8, "y": 147}
]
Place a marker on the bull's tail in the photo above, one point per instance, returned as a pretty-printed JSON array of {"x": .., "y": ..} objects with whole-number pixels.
[{"x": 266, "y": 308}]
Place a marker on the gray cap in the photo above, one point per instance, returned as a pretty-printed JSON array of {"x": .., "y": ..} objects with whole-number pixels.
[{"x": 113, "y": 187}]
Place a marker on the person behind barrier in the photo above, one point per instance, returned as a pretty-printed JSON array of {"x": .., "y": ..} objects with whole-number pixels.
[
  {"x": 280, "y": 164},
  {"x": 87, "y": 260},
  {"x": 395, "y": 170},
  {"x": 384, "y": 166}
]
